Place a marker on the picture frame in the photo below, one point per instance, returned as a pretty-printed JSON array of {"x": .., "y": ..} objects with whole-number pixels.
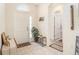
[{"x": 41, "y": 19}]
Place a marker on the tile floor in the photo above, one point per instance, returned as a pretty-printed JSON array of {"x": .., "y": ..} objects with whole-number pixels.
[{"x": 36, "y": 49}]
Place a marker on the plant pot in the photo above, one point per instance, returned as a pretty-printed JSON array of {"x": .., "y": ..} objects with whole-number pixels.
[{"x": 36, "y": 39}]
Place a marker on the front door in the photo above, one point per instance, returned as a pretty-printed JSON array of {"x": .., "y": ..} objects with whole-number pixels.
[{"x": 21, "y": 27}]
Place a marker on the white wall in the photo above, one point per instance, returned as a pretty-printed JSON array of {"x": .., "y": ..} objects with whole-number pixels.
[
  {"x": 77, "y": 19},
  {"x": 2, "y": 20},
  {"x": 11, "y": 17},
  {"x": 34, "y": 13},
  {"x": 69, "y": 36},
  {"x": 43, "y": 25}
]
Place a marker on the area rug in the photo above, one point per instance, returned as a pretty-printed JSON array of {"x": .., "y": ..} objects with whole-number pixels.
[
  {"x": 23, "y": 44},
  {"x": 58, "y": 45}
]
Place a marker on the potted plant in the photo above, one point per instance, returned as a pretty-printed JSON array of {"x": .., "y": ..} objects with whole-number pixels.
[{"x": 35, "y": 34}]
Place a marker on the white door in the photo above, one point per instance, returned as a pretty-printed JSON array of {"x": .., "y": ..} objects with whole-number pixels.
[
  {"x": 58, "y": 26},
  {"x": 21, "y": 27}
]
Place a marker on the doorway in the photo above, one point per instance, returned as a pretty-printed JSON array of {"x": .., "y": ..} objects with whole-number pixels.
[{"x": 55, "y": 27}]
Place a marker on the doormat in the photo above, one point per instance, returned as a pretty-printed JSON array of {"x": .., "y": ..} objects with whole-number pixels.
[
  {"x": 23, "y": 44},
  {"x": 58, "y": 45}
]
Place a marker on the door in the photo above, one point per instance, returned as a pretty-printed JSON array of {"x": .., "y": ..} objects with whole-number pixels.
[
  {"x": 21, "y": 27},
  {"x": 57, "y": 26}
]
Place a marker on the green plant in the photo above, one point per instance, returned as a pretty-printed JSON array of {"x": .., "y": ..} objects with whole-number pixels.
[{"x": 35, "y": 32}]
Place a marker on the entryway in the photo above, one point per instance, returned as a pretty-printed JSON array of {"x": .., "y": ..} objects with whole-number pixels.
[{"x": 55, "y": 27}]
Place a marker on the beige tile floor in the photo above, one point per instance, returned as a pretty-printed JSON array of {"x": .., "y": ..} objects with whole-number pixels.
[{"x": 36, "y": 49}]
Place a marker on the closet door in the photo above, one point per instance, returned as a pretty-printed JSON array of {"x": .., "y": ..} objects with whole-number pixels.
[{"x": 21, "y": 27}]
